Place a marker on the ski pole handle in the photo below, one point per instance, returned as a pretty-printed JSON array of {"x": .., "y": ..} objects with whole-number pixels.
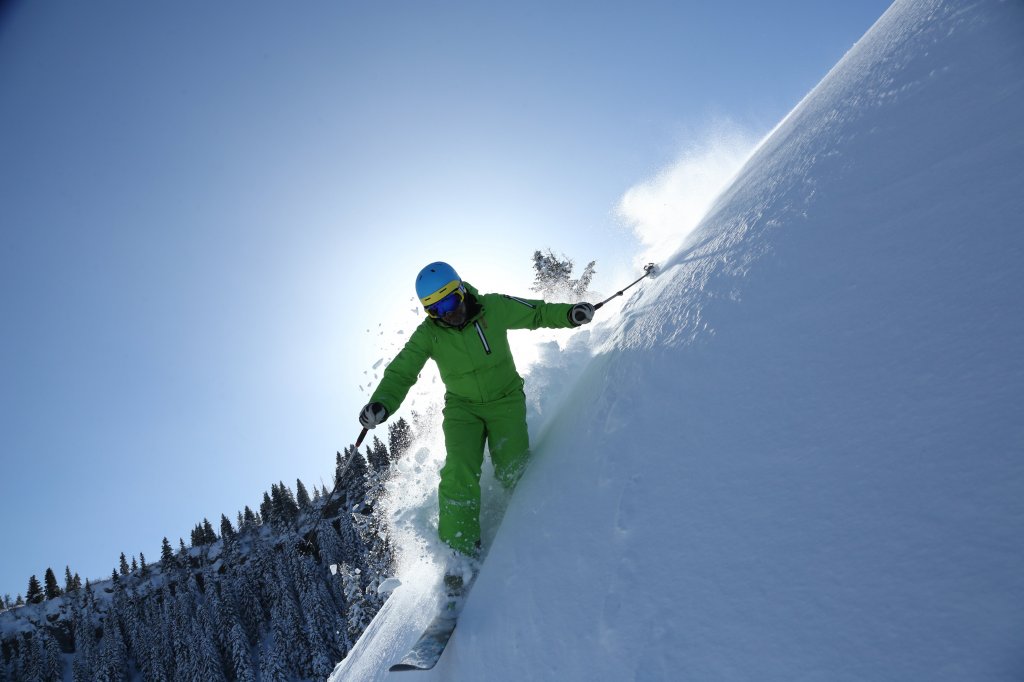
[{"x": 362, "y": 435}]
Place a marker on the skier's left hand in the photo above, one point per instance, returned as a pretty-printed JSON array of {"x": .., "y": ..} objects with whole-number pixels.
[{"x": 581, "y": 313}]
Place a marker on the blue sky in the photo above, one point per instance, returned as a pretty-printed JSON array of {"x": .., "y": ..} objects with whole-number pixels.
[{"x": 210, "y": 209}]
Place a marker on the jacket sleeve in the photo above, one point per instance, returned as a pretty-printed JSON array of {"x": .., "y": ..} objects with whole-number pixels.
[
  {"x": 524, "y": 313},
  {"x": 403, "y": 371}
]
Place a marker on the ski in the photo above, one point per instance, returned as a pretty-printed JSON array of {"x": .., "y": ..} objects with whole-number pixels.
[
  {"x": 427, "y": 650},
  {"x": 425, "y": 654}
]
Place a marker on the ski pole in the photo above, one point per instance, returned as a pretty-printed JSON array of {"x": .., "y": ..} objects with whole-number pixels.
[
  {"x": 648, "y": 271},
  {"x": 337, "y": 480}
]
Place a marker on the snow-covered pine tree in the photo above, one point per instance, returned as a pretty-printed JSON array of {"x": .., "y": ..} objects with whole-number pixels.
[
  {"x": 132, "y": 621},
  {"x": 152, "y": 644},
  {"x": 399, "y": 438},
  {"x": 320, "y": 626},
  {"x": 239, "y": 655},
  {"x": 113, "y": 653},
  {"x": 267, "y": 509},
  {"x": 377, "y": 456},
  {"x": 227, "y": 532},
  {"x": 357, "y": 617},
  {"x": 85, "y": 637},
  {"x": 283, "y": 504},
  {"x": 250, "y": 518},
  {"x": 52, "y": 659},
  {"x": 31, "y": 657},
  {"x": 209, "y": 535},
  {"x": 302, "y": 496},
  {"x": 250, "y": 611},
  {"x": 272, "y": 662},
  {"x": 183, "y": 560},
  {"x": 354, "y": 480},
  {"x": 553, "y": 277},
  {"x": 202, "y": 635}
]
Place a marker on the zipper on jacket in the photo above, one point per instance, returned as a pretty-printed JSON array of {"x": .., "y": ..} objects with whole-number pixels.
[{"x": 483, "y": 339}]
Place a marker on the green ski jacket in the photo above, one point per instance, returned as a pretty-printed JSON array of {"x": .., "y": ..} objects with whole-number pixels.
[{"x": 474, "y": 361}]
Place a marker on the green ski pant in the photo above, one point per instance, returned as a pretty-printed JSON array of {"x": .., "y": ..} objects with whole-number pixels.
[{"x": 467, "y": 426}]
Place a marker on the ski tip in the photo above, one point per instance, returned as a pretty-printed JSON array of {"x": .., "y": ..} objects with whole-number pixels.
[{"x": 402, "y": 667}]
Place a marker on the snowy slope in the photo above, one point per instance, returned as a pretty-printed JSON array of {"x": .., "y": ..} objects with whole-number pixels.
[{"x": 798, "y": 453}]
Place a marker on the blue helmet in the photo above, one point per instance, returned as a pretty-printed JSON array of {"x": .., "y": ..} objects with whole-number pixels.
[{"x": 436, "y": 281}]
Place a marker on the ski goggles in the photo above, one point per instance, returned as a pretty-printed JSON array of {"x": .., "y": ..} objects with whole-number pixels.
[{"x": 446, "y": 305}]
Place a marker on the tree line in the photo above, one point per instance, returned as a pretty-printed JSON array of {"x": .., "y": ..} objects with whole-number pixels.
[{"x": 283, "y": 593}]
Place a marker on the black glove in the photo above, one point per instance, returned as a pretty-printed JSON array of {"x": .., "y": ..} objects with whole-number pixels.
[
  {"x": 372, "y": 414},
  {"x": 581, "y": 313}
]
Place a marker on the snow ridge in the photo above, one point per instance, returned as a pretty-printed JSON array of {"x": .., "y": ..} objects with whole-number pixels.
[{"x": 797, "y": 453}]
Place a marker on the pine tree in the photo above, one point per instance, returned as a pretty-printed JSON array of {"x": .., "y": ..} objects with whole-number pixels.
[
  {"x": 35, "y": 591},
  {"x": 250, "y": 610},
  {"x": 30, "y": 661},
  {"x": 285, "y": 504},
  {"x": 143, "y": 568},
  {"x": 272, "y": 665},
  {"x": 377, "y": 456},
  {"x": 182, "y": 551},
  {"x": 250, "y": 518},
  {"x": 239, "y": 656},
  {"x": 203, "y": 642},
  {"x": 226, "y": 530},
  {"x": 354, "y": 481},
  {"x": 302, "y": 496},
  {"x": 356, "y": 615},
  {"x": 553, "y": 277},
  {"x": 124, "y": 565},
  {"x": 69, "y": 580},
  {"x": 166, "y": 554},
  {"x": 50, "y": 583},
  {"x": 86, "y": 650},
  {"x": 209, "y": 535},
  {"x": 113, "y": 654},
  {"x": 322, "y": 622},
  {"x": 266, "y": 509},
  {"x": 399, "y": 438},
  {"x": 52, "y": 660}
]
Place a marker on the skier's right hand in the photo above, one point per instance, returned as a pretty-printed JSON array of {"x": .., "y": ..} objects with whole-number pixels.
[{"x": 372, "y": 415}]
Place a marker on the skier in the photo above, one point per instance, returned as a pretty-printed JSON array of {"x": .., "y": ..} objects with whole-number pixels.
[{"x": 466, "y": 333}]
